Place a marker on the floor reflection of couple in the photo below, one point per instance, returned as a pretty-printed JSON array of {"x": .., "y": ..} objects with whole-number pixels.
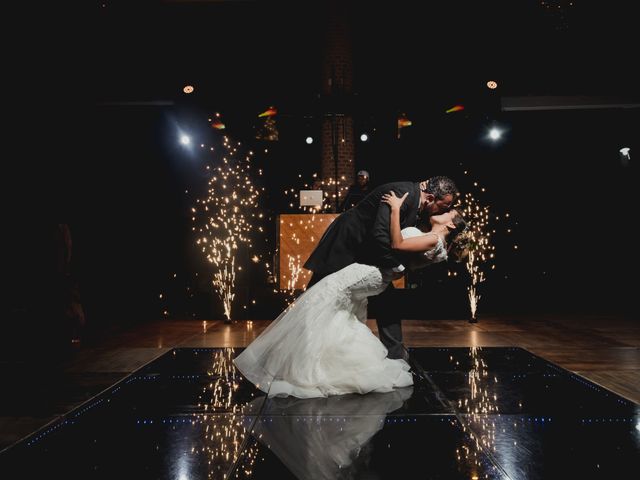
[{"x": 326, "y": 438}]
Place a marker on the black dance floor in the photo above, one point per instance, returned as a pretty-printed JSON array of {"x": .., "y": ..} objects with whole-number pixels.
[{"x": 473, "y": 413}]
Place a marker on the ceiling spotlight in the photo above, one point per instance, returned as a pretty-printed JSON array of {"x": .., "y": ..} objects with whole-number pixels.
[
  {"x": 492, "y": 84},
  {"x": 364, "y": 137},
  {"x": 625, "y": 151},
  {"x": 185, "y": 140},
  {"x": 495, "y": 134},
  {"x": 309, "y": 140},
  {"x": 188, "y": 89}
]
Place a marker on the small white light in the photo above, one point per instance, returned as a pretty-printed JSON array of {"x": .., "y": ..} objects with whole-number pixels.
[
  {"x": 185, "y": 140},
  {"x": 309, "y": 140},
  {"x": 625, "y": 156},
  {"x": 495, "y": 134},
  {"x": 364, "y": 137}
]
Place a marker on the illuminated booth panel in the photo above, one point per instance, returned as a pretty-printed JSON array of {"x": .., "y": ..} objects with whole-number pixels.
[{"x": 298, "y": 234}]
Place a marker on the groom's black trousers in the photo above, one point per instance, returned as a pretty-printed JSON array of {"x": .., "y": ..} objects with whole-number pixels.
[{"x": 387, "y": 312}]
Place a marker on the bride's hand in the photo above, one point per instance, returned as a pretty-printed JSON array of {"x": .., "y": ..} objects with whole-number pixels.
[{"x": 391, "y": 199}]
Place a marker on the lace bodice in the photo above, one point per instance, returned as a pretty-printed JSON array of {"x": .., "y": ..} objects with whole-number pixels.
[{"x": 435, "y": 255}]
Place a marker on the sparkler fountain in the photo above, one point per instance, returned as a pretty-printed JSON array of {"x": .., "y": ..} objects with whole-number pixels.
[
  {"x": 228, "y": 216},
  {"x": 479, "y": 246}
]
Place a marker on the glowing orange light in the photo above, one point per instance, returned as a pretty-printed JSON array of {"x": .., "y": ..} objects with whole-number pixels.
[
  {"x": 404, "y": 122},
  {"x": 270, "y": 112},
  {"x": 455, "y": 108}
]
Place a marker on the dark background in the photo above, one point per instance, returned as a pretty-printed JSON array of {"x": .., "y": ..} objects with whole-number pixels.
[{"x": 125, "y": 185}]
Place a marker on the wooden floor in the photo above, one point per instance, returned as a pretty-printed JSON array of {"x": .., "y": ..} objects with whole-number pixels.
[{"x": 604, "y": 349}]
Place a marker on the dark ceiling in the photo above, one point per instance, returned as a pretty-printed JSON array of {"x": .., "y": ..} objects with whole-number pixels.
[{"x": 404, "y": 52}]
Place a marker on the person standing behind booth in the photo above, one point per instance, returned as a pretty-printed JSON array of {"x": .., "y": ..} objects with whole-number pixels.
[{"x": 357, "y": 191}]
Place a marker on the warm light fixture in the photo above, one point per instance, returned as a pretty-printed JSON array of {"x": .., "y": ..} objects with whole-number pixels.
[
  {"x": 492, "y": 84},
  {"x": 188, "y": 89}
]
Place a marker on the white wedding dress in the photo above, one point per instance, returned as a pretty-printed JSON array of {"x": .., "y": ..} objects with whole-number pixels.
[{"x": 320, "y": 345}]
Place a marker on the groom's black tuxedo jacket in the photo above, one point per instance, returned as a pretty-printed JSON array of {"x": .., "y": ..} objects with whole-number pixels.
[{"x": 362, "y": 233}]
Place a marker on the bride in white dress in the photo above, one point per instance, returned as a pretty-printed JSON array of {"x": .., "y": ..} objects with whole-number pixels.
[{"x": 320, "y": 345}]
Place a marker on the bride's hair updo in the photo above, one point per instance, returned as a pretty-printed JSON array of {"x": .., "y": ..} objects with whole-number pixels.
[
  {"x": 459, "y": 238},
  {"x": 460, "y": 224}
]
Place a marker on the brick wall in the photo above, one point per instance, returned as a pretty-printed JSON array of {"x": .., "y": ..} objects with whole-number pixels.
[{"x": 337, "y": 126}]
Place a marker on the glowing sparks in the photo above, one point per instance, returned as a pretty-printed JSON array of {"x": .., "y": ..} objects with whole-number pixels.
[
  {"x": 225, "y": 216},
  {"x": 225, "y": 435},
  {"x": 334, "y": 189},
  {"x": 479, "y": 408},
  {"x": 295, "y": 268},
  {"x": 293, "y": 276},
  {"x": 480, "y": 248}
]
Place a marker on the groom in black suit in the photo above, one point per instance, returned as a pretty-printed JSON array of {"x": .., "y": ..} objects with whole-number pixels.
[{"x": 362, "y": 235}]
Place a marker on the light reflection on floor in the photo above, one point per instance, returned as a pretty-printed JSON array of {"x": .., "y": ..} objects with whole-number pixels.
[{"x": 480, "y": 412}]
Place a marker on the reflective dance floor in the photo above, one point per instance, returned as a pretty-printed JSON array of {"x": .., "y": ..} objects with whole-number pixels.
[{"x": 473, "y": 413}]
